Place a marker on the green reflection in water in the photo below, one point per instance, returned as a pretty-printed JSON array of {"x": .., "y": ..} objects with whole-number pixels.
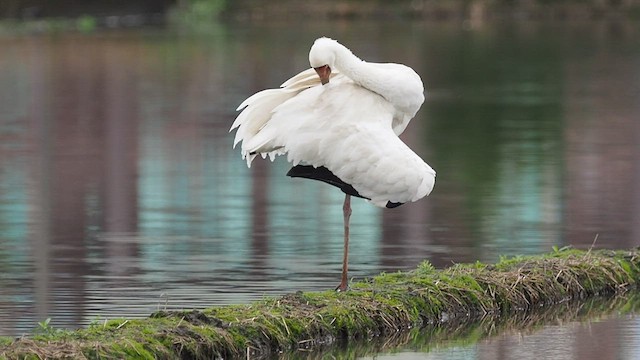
[
  {"x": 495, "y": 124},
  {"x": 463, "y": 338}
]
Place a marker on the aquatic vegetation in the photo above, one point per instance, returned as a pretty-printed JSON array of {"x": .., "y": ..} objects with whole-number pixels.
[{"x": 459, "y": 299}]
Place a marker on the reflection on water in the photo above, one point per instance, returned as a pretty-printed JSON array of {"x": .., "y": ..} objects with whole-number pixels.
[
  {"x": 604, "y": 338},
  {"x": 608, "y": 339},
  {"x": 595, "y": 329},
  {"x": 120, "y": 192}
]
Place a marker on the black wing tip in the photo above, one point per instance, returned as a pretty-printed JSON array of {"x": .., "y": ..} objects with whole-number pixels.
[
  {"x": 391, "y": 205},
  {"x": 323, "y": 174}
]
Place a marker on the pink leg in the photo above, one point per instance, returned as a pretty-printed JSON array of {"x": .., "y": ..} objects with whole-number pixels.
[{"x": 346, "y": 209}]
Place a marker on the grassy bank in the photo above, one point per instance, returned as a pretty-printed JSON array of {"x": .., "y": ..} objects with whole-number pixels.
[{"x": 386, "y": 305}]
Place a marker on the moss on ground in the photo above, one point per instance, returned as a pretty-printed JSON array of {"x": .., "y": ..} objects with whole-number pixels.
[{"x": 387, "y": 305}]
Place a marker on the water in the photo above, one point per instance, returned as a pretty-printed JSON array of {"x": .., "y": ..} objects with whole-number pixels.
[
  {"x": 614, "y": 337},
  {"x": 120, "y": 192}
]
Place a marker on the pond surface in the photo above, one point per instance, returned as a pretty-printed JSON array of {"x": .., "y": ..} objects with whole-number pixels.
[
  {"x": 594, "y": 329},
  {"x": 120, "y": 192},
  {"x": 608, "y": 338}
]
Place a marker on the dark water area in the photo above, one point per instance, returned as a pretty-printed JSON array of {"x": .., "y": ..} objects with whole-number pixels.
[{"x": 121, "y": 194}]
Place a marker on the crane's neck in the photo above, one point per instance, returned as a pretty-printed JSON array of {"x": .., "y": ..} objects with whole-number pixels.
[
  {"x": 397, "y": 83},
  {"x": 349, "y": 64},
  {"x": 360, "y": 71}
]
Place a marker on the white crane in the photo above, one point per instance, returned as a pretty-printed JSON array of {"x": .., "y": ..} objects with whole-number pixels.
[{"x": 339, "y": 122}]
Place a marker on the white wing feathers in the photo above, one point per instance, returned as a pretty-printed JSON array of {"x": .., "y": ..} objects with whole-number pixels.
[
  {"x": 258, "y": 110},
  {"x": 341, "y": 126},
  {"x": 350, "y": 125},
  {"x": 303, "y": 80},
  {"x": 355, "y": 141}
]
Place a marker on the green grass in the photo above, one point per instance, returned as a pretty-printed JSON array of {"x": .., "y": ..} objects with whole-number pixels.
[{"x": 455, "y": 300}]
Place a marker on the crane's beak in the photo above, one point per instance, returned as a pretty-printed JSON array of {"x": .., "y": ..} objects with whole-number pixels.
[{"x": 324, "y": 72}]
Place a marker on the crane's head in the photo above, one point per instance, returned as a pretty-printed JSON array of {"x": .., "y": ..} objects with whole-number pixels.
[{"x": 322, "y": 57}]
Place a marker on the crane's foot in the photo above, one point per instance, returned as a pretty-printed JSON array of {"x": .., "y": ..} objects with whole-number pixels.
[{"x": 342, "y": 287}]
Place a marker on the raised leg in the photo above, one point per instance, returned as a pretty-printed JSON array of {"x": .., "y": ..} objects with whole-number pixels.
[{"x": 346, "y": 210}]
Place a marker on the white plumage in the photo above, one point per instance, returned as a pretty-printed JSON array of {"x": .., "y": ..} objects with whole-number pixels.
[{"x": 344, "y": 115}]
